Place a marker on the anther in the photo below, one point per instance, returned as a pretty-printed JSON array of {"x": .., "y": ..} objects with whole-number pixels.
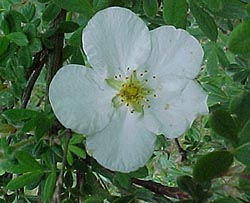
[
  {"x": 149, "y": 106},
  {"x": 120, "y": 75},
  {"x": 126, "y": 77},
  {"x": 134, "y": 71},
  {"x": 145, "y": 71},
  {"x": 154, "y": 76},
  {"x": 146, "y": 80},
  {"x": 141, "y": 74},
  {"x": 155, "y": 95},
  {"x": 127, "y": 104},
  {"x": 122, "y": 100},
  {"x": 116, "y": 77},
  {"x": 127, "y": 68},
  {"x": 132, "y": 111}
]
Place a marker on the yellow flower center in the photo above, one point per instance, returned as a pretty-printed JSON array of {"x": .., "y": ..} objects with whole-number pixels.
[{"x": 131, "y": 92}]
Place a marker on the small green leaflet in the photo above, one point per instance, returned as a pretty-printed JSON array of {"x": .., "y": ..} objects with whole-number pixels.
[
  {"x": 239, "y": 39},
  {"x": 205, "y": 21},
  {"x": 175, "y": 13}
]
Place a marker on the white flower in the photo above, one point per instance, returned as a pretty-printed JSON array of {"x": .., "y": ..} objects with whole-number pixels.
[{"x": 140, "y": 85}]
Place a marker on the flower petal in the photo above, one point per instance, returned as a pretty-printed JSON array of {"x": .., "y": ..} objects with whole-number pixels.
[
  {"x": 124, "y": 145},
  {"x": 174, "y": 52},
  {"x": 173, "y": 115},
  {"x": 116, "y": 38},
  {"x": 79, "y": 101}
]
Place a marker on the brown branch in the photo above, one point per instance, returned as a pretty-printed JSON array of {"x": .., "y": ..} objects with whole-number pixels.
[
  {"x": 59, "y": 183},
  {"x": 158, "y": 188},
  {"x": 56, "y": 54},
  {"x": 37, "y": 67}
]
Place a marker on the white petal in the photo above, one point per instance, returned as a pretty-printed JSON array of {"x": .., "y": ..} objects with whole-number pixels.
[
  {"x": 124, "y": 145},
  {"x": 172, "y": 116},
  {"x": 79, "y": 101},
  {"x": 174, "y": 52},
  {"x": 116, "y": 38}
]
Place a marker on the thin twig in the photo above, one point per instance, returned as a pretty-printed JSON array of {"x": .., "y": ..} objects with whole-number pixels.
[
  {"x": 57, "y": 193},
  {"x": 172, "y": 192},
  {"x": 158, "y": 188},
  {"x": 33, "y": 78},
  {"x": 181, "y": 150}
]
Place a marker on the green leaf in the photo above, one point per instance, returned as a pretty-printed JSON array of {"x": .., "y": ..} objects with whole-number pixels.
[
  {"x": 80, "y": 6},
  {"x": 77, "y": 151},
  {"x": 212, "y": 62},
  {"x": 51, "y": 12},
  {"x": 101, "y": 4},
  {"x": 35, "y": 45},
  {"x": 186, "y": 184},
  {"x": 244, "y": 180},
  {"x": 93, "y": 200},
  {"x": 49, "y": 186},
  {"x": 24, "y": 56},
  {"x": 70, "y": 158},
  {"x": 127, "y": 198},
  {"x": 67, "y": 27},
  {"x": 18, "y": 38},
  {"x": 76, "y": 37},
  {"x": 225, "y": 200},
  {"x": 242, "y": 154},
  {"x": 23, "y": 180},
  {"x": 122, "y": 180},
  {"x": 76, "y": 139},
  {"x": 28, "y": 11},
  {"x": 144, "y": 194},
  {"x": 175, "y": 13},
  {"x": 150, "y": 7},
  {"x": 240, "y": 107},
  {"x": 244, "y": 134},
  {"x": 214, "y": 5},
  {"x": 29, "y": 162},
  {"x": 77, "y": 57},
  {"x": 223, "y": 124},
  {"x": 221, "y": 56},
  {"x": 239, "y": 39},
  {"x": 139, "y": 173},
  {"x": 205, "y": 21},
  {"x": 4, "y": 44},
  {"x": 232, "y": 9},
  {"x": 4, "y": 25},
  {"x": 212, "y": 165},
  {"x": 20, "y": 114}
]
